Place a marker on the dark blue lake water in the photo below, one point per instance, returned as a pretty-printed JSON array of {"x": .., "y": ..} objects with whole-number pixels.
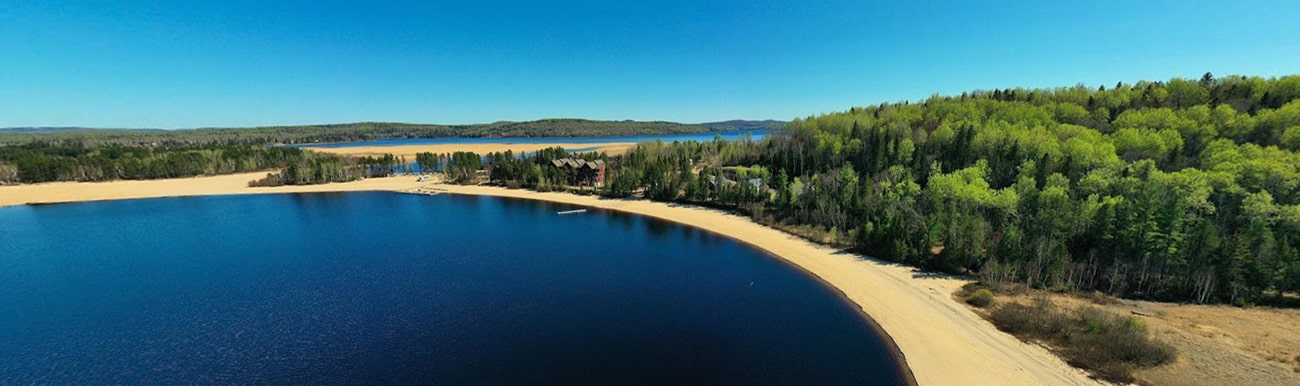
[
  {"x": 386, "y": 288},
  {"x": 700, "y": 137}
]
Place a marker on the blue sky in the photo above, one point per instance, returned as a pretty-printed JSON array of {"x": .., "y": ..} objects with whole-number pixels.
[{"x": 184, "y": 64}]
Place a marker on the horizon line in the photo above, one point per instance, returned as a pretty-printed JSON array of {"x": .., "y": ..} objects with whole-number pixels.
[{"x": 76, "y": 127}]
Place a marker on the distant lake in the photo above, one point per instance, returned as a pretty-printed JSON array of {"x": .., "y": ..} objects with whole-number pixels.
[
  {"x": 384, "y": 288},
  {"x": 699, "y": 137}
]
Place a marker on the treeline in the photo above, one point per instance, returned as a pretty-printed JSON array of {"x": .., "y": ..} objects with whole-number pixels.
[
  {"x": 532, "y": 170},
  {"x": 44, "y": 162},
  {"x": 1186, "y": 190},
  {"x": 535, "y": 171},
  {"x": 657, "y": 170},
  {"x": 364, "y": 131},
  {"x": 460, "y": 167},
  {"x": 312, "y": 168}
]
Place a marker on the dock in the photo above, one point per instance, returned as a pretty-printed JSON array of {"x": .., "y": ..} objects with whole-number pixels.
[
  {"x": 427, "y": 191},
  {"x": 575, "y": 211}
]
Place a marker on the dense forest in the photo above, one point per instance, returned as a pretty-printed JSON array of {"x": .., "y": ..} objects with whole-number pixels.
[
  {"x": 365, "y": 131},
  {"x": 1184, "y": 190},
  {"x": 44, "y": 162}
]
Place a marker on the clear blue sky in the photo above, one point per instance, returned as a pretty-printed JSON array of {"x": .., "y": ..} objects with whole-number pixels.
[{"x": 183, "y": 64}]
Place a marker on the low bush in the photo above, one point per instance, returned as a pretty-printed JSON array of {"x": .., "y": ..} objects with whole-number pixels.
[
  {"x": 1098, "y": 297},
  {"x": 272, "y": 179},
  {"x": 1110, "y": 345},
  {"x": 981, "y": 298}
]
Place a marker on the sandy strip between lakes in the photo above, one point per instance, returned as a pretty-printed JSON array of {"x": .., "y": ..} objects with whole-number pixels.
[
  {"x": 409, "y": 151},
  {"x": 943, "y": 342}
]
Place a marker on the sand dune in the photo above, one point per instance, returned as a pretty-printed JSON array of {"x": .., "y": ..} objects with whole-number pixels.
[{"x": 943, "y": 342}]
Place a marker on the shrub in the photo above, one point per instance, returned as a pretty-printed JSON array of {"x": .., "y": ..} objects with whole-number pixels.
[
  {"x": 272, "y": 179},
  {"x": 981, "y": 298},
  {"x": 1098, "y": 297},
  {"x": 1036, "y": 320},
  {"x": 1110, "y": 345}
]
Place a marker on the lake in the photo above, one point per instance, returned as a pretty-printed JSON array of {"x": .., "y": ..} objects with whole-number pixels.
[
  {"x": 387, "y": 288},
  {"x": 698, "y": 137}
]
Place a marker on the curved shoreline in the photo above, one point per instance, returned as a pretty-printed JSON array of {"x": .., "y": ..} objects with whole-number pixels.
[
  {"x": 928, "y": 354},
  {"x": 937, "y": 339},
  {"x": 900, "y": 360}
]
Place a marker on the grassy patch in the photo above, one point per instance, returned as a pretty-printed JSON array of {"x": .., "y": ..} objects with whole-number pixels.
[{"x": 1111, "y": 346}]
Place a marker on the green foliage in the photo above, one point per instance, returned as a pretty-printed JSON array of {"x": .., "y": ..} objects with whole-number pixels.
[
  {"x": 982, "y": 298},
  {"x": 314, "y": 168},
  {"x": 463, "y": 167},
  {"x": 1166, "y": 190},
  {"x": 535, "y": 171},
  {"x": 45, "y": 162}
]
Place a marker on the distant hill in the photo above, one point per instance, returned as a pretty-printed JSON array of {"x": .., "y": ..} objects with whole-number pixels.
[
  {"x": 738, "y": 124},
  {"x": 41, "y": 130},
  {"x": 365, "y": 131}
]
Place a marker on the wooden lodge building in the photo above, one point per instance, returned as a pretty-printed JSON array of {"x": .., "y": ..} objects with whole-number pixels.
[{"x": 582, "y": 172}]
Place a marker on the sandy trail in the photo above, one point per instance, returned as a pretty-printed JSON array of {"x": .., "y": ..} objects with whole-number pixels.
[
  {"x": 944, "y": 343},
  {"x": 409, "y": 151}
]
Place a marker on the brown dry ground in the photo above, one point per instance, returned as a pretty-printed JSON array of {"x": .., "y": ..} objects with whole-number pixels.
[{"x": 1217, "y": 345}]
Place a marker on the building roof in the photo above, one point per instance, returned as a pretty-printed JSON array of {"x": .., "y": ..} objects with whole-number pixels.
[{"x": 577, "y": 163}]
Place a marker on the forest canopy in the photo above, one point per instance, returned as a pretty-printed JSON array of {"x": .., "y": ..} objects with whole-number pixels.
[{"x": 1182, "y": 190}]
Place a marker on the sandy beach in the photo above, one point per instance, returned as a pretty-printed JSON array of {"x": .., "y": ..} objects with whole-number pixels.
[
  {"x": 409, "y": 151},
  {"x": 943, "y": 342},
  {"x": 56, "y": 192}
]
